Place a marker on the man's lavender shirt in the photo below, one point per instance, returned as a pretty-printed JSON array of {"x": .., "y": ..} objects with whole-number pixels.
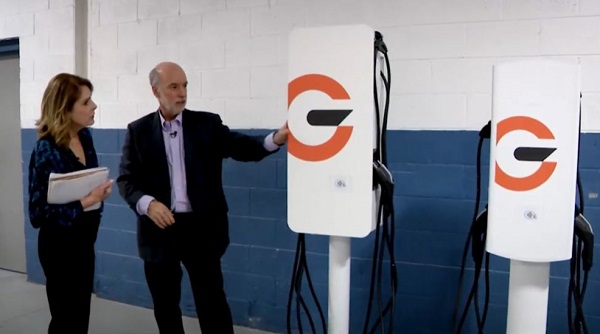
[{"x": 173, "y": 138}]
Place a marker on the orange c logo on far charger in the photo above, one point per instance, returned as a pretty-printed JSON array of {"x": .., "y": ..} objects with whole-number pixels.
[{"x": 535, "y": 154}]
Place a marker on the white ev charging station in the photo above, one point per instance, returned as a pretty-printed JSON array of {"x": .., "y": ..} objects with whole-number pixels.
[
  {"x": 532, "y": 188},
  {"x": 332, "y": 122}
]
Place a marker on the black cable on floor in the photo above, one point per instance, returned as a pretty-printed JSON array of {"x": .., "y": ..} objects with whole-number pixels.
[
  {"x": 475, "y": 241},
  {"x": 301, "y": 268}
]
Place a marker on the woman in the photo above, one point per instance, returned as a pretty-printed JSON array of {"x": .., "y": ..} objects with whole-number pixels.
[{"x": 67, "y": 232}]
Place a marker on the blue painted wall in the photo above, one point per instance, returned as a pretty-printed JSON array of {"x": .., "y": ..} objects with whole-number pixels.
[{"x": 435, "y": 190}]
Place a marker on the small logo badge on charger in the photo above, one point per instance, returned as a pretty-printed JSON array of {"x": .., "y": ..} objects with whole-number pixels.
[
  {"x": 341, "y": 183},
  {"x": 530, "y": 215}
]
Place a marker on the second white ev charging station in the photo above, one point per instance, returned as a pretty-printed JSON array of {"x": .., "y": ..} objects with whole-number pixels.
[
  {"x": 533, "y": 170},
  {"x": 531, "y": 217}
]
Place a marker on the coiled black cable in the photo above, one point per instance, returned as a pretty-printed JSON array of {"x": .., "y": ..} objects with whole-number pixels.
[
  {"x": 301, "y": 268},
  {"x": 477, "y": 236},
  {"x": 583, "y": 243},
  {"x": 384, "y": 234}
]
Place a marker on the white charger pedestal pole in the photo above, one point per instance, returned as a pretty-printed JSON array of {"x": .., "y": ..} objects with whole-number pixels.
[
  {"x": 528, "y": 289},
  {"x": 533, "y": 170},
  {"x": 330, "y": 146},
  {"x": 339, "y": 285}
]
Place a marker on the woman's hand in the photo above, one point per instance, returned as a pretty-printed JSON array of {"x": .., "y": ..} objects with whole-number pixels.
[{"x": 97, "y": 195}]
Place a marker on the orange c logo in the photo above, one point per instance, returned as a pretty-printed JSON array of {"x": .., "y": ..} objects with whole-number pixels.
[
  {"x": 342, "y": 133},
  {"x": 539, "y": 154}
]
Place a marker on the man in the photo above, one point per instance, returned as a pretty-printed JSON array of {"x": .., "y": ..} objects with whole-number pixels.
[{"x": 170, "y": 175}]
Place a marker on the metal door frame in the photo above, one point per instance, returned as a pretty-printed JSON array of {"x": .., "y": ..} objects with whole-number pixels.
[{"x": 9, "y": 47}]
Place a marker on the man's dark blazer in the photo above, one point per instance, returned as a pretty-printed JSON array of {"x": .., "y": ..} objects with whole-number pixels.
[{"x": 144, "y": 170}]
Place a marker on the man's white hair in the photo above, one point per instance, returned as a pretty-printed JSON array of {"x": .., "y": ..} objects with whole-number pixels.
[{"x": 153, "y": 76}]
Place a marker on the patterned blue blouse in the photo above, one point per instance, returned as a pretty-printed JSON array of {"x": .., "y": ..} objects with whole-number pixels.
[{"x": 48, "y": 158}]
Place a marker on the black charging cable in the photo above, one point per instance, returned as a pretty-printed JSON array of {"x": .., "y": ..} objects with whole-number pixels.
[
  {"x": 301, "y": 268},
  {"x": 582, "y": 257},
  {"x": 476, "y": 239},
  {"x": 382, "y": 180}
]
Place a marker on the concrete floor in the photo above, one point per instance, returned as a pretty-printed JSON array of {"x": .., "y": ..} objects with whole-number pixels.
[{"x": 24, "y": 310}]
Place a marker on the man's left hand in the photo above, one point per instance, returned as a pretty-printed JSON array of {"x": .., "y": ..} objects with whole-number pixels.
[{"x": 280, "y": 137}]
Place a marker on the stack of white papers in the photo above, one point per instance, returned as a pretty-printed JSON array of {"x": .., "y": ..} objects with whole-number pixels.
[{"x": 69, "y": 187}]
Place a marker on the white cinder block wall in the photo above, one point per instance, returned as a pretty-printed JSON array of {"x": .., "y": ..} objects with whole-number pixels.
[
  {"x": 46, "y": 31},
  {"x": 235, "y": 52},
  {"x": 235, "y": 55}
]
